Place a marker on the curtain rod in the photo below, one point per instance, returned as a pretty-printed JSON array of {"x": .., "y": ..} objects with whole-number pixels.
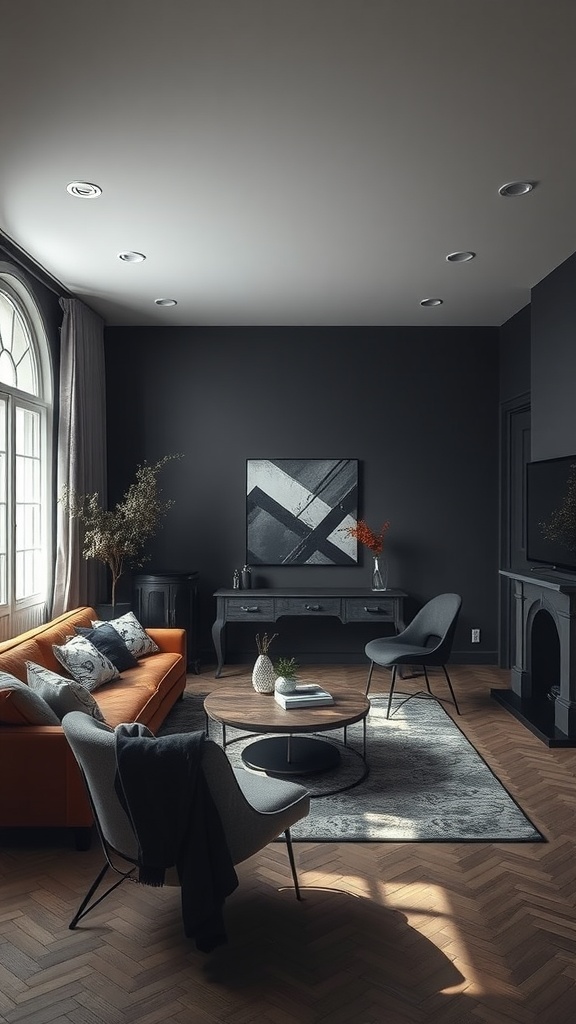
[{"x": 14, "y": 252}]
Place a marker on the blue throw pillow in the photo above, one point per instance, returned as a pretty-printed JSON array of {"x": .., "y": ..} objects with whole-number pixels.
[{"x": 109, "y": 642}]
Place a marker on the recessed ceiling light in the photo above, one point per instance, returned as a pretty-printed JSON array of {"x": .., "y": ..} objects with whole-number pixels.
[
  {"x": 517, "y": 188},
  {"x": 84, "y": 190},
  {"x": 431, "y": 302},
  {"x": 165, "y": 302},
  {"x": 131, "y": 257},
  {"x": 460, "y": 257}
]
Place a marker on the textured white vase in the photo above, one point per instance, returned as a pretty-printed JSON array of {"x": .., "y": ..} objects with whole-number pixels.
[
  {"x": 284, "y": 685},
  {"x": 263, "y": 674}
]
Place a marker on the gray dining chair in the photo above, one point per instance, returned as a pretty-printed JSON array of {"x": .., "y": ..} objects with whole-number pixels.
[
  {"x": 426, "y": 641},
  {"x": 254, "y": 810}
]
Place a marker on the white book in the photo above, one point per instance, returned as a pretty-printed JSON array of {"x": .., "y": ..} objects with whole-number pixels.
[{"x": 303, "y": 699}]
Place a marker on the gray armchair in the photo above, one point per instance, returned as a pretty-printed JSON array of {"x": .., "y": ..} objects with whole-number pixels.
[
  {"x": 254, "y": 810},
  {"x": 426, "y": 641}
]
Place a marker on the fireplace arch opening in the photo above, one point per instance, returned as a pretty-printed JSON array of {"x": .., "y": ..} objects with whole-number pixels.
[{"x": 544, "y": 646}]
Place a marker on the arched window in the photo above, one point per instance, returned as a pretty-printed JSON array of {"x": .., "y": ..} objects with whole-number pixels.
[{"x": 25, "y": 407}]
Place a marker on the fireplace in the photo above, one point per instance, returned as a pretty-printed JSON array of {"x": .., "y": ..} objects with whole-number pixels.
[{"x": 543, "y": 676}]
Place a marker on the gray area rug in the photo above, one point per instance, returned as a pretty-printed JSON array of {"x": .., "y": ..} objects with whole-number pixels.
[{"x": 426, "y": 781}]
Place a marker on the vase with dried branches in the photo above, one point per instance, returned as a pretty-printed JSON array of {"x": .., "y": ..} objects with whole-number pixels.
[
  {"x": 375, "y": 543},
  {"x": 264, "y": 673}
]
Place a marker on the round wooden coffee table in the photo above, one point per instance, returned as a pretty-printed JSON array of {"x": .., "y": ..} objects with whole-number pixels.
[{"x": 290, "y": 752}]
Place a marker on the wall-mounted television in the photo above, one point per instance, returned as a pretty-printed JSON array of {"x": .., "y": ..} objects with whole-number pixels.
[{"x": 547, "y": 484}]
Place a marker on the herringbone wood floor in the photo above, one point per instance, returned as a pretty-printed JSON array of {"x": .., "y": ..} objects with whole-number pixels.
[{"x": 388, "y": 933}]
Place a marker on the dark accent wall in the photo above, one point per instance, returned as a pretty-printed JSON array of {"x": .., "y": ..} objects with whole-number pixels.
[
  {"x": 554, "y": 363},
  {"x": 515, "y": 356},
  {"x": 417, "y": 406}
]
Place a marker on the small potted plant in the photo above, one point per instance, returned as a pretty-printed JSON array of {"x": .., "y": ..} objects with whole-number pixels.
[{"x": 286, "y": 669}]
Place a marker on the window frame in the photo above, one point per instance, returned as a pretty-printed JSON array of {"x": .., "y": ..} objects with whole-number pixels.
[{"x": 16, "y": 287}]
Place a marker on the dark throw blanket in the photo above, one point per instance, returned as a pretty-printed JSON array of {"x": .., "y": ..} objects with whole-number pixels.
[{"x": 161, "y": 785}]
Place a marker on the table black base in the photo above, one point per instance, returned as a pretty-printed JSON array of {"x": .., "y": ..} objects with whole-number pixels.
[{"x": 291, "y": 755}]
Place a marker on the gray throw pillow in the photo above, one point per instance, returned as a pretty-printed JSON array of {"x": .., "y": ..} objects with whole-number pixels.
[
  {"x": 62, "y": 695},
  {"x": 134, "y": 635},
  {"x": 84, "y": 662},
  {"x": 19, "y": 705}
]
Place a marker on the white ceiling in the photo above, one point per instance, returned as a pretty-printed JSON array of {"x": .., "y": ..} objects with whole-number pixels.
[{"x": 294, "y": 162}]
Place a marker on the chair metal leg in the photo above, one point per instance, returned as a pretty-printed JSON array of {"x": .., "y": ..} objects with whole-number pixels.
[
  {"x": 84, "y": 908},
  {"x": 369, "y": 678},
  {"x": 392, "y": 685},
  {"x": 451, "y": 690},
  {"x": 427, "y": 681},
  {"x": 292, "y": 863}
]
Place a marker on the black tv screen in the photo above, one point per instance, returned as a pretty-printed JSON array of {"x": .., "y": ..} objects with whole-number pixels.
[{"x": 547, "y": 487}]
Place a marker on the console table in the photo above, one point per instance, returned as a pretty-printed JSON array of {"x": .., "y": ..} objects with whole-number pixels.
[{"x": 349, "y": 604}]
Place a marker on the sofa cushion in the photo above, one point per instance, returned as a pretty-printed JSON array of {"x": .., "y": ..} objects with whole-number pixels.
[
  {"x": 62, "y": 695},
  {"x": 140, "y": 692},
  {"x": 36, "y": 644},
  {"x": 85, "y": 663},
  {"x": 19, "y": 705},
  {"x": 137, "y": 640},
  {"x": 108, "y": 640}
]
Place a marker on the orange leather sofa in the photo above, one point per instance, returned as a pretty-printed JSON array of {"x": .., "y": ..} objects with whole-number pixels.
[{"x": 40, "y": 782}]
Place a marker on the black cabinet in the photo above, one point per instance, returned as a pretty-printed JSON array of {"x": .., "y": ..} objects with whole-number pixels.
[{"x": 164, "y": 599}]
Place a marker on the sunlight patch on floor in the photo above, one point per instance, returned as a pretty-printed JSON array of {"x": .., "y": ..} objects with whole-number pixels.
[{"x": 428, "y": 909}]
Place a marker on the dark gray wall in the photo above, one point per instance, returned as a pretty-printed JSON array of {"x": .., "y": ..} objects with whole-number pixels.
[
  {"x": 515, "y": 356},
  {"x": 418, "y": 408},
  {"x": 554, "y": 363}
]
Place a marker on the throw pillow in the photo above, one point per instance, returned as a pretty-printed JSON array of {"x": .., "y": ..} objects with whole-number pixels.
[
  {"x": 108, "y": 640},
  {"x": 85, "y": 663},
  {"x": 62, "y": 695},
  {"x": 19, "y": 705},
  {"x": 133, "y": 633}
]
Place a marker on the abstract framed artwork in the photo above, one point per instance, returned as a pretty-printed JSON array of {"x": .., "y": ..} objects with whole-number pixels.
[{"x": 297, "y": 511}]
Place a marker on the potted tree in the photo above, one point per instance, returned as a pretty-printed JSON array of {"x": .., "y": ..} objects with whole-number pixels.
[{"x": 117, "y": 536}]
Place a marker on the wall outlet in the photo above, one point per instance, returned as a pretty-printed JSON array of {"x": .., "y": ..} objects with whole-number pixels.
[{"x": 475, "y": 636}]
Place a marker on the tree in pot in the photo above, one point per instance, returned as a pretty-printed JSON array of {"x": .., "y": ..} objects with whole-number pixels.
[{"x": 117, "y": 536}]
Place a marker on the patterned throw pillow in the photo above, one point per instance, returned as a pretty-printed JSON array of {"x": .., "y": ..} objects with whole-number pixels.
[
  {"x": 19, "y": 705},
  {"x": 108, "y": 640},
  {"x": 85, "y": 663},
  {"x": 62, "y": 695},
  {"x": 133, "y": 634}
]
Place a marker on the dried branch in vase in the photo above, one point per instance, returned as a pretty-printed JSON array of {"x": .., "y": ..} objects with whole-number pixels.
[{"x": 263, "y": 643}]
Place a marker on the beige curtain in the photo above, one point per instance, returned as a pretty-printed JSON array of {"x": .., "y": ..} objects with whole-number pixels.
[{"x": 81, "y": 450}]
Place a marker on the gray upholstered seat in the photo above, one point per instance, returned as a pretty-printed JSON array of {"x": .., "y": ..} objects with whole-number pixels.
[
  {"x": 426, "y": 641},
  {"x": 254, "y": 810}
]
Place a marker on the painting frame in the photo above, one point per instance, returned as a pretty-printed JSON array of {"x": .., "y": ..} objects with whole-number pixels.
[{"x": 297, "y": 511}]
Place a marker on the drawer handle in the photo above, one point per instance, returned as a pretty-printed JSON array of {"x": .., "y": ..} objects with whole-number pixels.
[
  {"x": 313, "y": 607},
  {"x": 374, "y": 611},
  {"x": 249, "y": 608}
]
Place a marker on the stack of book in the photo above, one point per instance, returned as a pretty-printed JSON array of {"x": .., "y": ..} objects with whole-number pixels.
[{"x": 308, "y": 695}]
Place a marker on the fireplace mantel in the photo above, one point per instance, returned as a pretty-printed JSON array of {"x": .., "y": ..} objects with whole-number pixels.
[{"x": 553, "y": 720}]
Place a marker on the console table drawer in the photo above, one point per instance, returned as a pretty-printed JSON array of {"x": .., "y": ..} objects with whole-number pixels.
[
  {"x": 308, "y": 606},
  {"x": 250, "y": 608},
  {"x": 371, "y": 609}
]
